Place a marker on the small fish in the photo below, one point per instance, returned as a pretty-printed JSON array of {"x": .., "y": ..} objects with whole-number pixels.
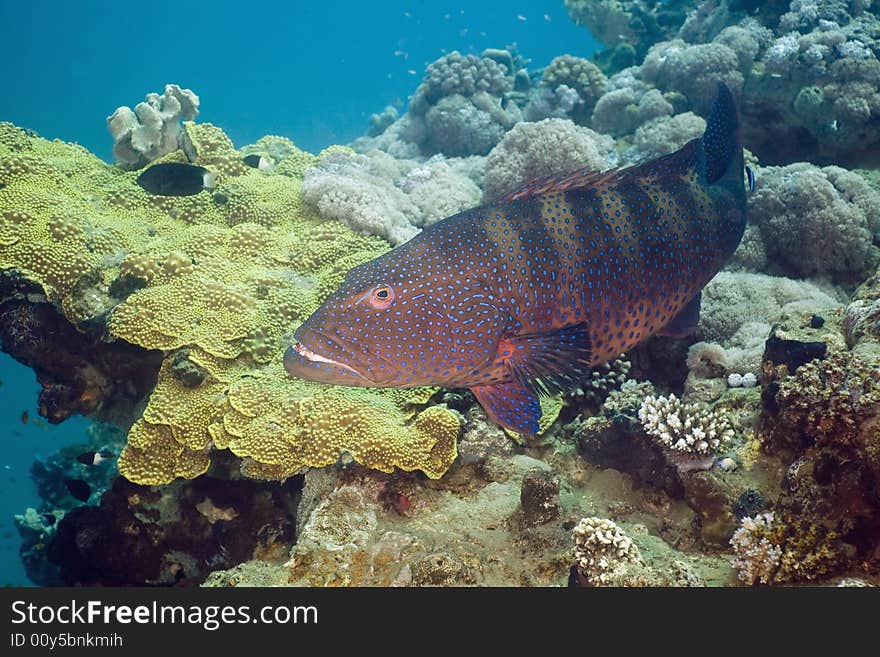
[
  {"x": 524, "y": 296},
  {"x": 520, "y": 17},
  {"x": 94, "y": 458},
  {"x": 547, "y": 18},
  {"x": 412, "y": 71},
  {"x": 750, "y": 177},
  {"x": 401, "y": 53},
  {"x": 25, "y": 416},
  {"x": 176, "y": 179},
  {"x": 258, "y": 162},
  {"x": 78, "y": 489}
]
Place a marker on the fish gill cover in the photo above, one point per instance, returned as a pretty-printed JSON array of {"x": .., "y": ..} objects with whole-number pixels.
[{"x": 750, "y": 439}]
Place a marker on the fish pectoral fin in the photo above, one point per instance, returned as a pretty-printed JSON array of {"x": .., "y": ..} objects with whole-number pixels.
[
  {"x": 685, "y": 322},
  {"x": 511, "y": 405},
  {"x": 548, "y": 363}
]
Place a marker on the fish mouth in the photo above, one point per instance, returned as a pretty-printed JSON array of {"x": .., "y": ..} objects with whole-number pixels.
[
  {"x": 304, "y": 363},
  {"x": 308, "y": 354}
]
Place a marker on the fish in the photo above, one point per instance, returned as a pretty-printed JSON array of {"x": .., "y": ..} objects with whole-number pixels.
[
  {"x": 25, "y": 416},
  {"x": 78, "y": 489},
  {"x": 94, "y": 458},
  {"x": 176, "y": 179},
  {"x": 258, "y": 162},
  {"x": 522, "y": 297}
]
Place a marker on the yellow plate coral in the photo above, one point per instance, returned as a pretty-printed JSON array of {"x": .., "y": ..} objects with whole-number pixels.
[{"x": 217, "y": 281}]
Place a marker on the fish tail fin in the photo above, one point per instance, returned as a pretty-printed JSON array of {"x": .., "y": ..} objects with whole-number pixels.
[{"x": 722, "y": 142}]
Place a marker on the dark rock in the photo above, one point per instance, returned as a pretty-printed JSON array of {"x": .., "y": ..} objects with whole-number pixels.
[
  {"x": 711, "y": 497},
  {"x": 781, "y": 350},
  {"x": 187, "y": 372},
  {"x": 539, "y": 497},
  {"x": 748, "y": 504},
  {"x": 176, "y": 534},
  {"x": 621, "y": 443},
  {"x": 79, "y": 372}
]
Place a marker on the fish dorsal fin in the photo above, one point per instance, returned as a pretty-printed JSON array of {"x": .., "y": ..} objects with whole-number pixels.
[
  {"x": 685, "y": 157},
  {"x": 561, "y": 182},
  {"x": 721, "y": 140},
  {"x": 547, "y": 363}
]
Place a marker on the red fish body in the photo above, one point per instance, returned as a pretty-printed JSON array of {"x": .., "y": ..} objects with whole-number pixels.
[{"x": 524, "y": 296}]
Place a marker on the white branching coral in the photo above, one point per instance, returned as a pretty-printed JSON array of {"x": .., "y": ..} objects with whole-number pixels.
[
  {"x": 602, "y": 550},
  {"x": 684, "y": 427},
  {"x": 756, "y": 557}
]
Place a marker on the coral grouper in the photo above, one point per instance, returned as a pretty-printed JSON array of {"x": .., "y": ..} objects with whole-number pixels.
[{"x": 524, "y": 296}]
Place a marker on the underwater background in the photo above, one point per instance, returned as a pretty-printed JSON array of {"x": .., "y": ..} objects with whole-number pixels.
[
  {"x": 745, "y": 453},
  {"x": 308, "y": 71}
]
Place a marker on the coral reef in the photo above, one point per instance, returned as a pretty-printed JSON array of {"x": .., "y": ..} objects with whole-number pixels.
[
  {"x": 38, "y": 526},
  {"x": 821, "y": 408},
  {"x": 684, "y": 427},
  {"x": 808, "y": 72},
  {"x": 604, "y": 379},
  {"x": 225, "y": 276},
  {"x": 376, "y": 194},
  {"x": 738, "y": 309},
  {"x": 535, "y": 150},
  {"x": 175, "y": 535},
  {"x": 769, "y": 550},
  {"x": 78, "y": 371},
  {"x": 663, "y": 135},
  {"x": 748, "y": 453},
  {"x": 603, "y": 553},
  {"x": 153, "y": 128},
  {"x": 627, "y": 27},
  {"x": 570, "y": 87},
  {"x": 816, "y": 221},
  {"x": 458, "y": 108}
]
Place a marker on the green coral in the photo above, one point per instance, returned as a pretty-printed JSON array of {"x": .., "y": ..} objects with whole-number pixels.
[{"x": 218, "y": 281}]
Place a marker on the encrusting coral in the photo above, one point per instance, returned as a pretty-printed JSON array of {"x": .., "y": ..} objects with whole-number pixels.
[
  {"x": 772, "y": 550},
  {"x": 218, "y": 281}
]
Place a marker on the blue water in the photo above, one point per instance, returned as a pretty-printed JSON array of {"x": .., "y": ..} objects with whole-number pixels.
[
  {"x": 311, "y": 71},
  {"x": 26, "y": 437}
]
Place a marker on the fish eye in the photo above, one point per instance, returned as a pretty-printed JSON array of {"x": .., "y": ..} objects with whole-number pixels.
[{"x": 381, "y": 296}]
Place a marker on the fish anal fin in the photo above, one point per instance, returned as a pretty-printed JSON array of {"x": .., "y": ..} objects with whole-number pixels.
[
  {"x": 549, "y": 362},
  {"x": 511, "y": 405},
  {"x": 685, "y": 322}
]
